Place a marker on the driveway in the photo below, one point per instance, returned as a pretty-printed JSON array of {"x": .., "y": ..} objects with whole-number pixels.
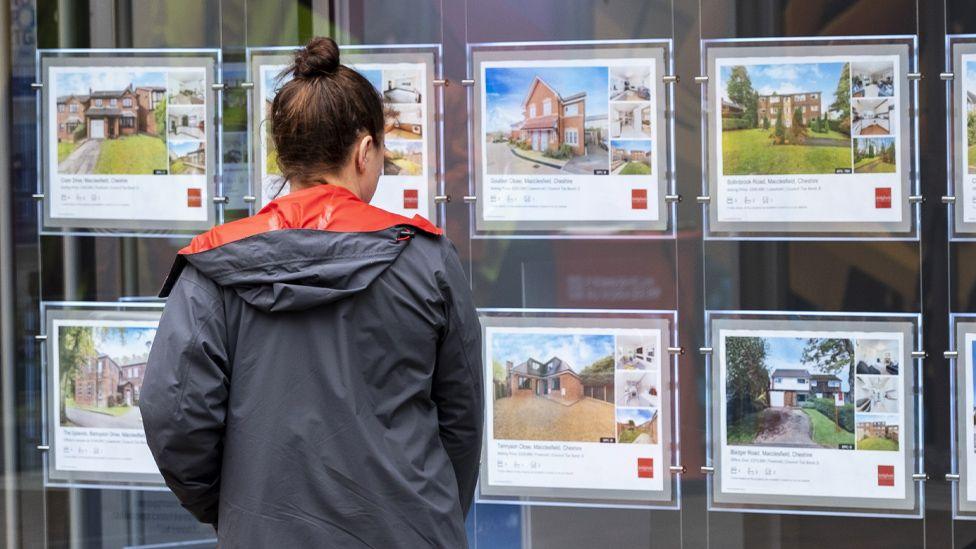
[
  {"x": 85, "y": 418},
  {"x": 530, "y": 417},
  {"x": 502, "y": 161},
  {"x": 785, "y": 427},
  {"x": 596, "y": 159},
  {"x": 83, "y": 159}
]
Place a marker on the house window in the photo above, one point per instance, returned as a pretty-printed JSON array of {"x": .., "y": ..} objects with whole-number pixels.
[
  {"x": 113, "y": 102},
  {"x": 571, "y": 110},
  {"x": 524, "y": 383},
  {"x": 127, "y": 102},
  {"x": 800, "y": 380},
  {"x": 814, "y": 108},
  {"x": 777, "y": 380},
  {"x": 555, "y": 384},
  {"x": 128, "y": 122},
  {"x": 801, "y": 98},
  {"x": 73, "y": 107},
  {"x": 572, "y": 136},
  {"x": 61, "y": 126},
  {"x": 532, "y": 110},
  {"x": 547, "y": 107},
  {"x": 60, "y": 107},
  {"x": 98, "y": 102}
]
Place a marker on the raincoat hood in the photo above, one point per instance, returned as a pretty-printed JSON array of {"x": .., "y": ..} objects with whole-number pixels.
[{"x": 303, "y": 250}]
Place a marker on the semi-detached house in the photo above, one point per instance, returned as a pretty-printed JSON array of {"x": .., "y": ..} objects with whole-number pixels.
[{"x": 552, "y": 120}]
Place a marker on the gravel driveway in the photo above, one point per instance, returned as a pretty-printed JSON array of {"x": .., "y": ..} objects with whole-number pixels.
[{"x": 785, "y": 427}]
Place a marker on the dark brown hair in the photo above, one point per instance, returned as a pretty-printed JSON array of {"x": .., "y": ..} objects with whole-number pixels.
[{"x": 320, "y": 114}]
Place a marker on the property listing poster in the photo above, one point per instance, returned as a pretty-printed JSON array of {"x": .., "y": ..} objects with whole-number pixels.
[
  {"x": 576, "y": 410},
  {"x": 96, "y": 367},
  {"x": 814, "y": 140},
  {"x": 128, "y": 143},
  {"x": 964, "y": 137},
  {"x": 408, "y": 181},
  {"x": 814, "y": 415},
  {"x": 571, "y": 140},
  {"x": 966, "y": 412}
]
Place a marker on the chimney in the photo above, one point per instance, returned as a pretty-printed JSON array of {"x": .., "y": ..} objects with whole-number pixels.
[{"x": 508, "y": 367}]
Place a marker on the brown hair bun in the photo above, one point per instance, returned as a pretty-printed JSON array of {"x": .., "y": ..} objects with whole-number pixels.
[{"x": 319, "y": 58}]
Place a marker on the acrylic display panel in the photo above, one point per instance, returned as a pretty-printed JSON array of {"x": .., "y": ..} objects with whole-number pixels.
[
  {"x": 814, "y": 413},
  {"x": 570, "y": 138},
  {"x": 404, "y": 77},
  {"x": 578, "y": 408},
  {"x": 961, "y": 62},
  {"x": 963, "y": 327},
  {"x": 95, "y": 362},
  {"x": 809, "y": 138},
  {"x": 128, "y": 141}
]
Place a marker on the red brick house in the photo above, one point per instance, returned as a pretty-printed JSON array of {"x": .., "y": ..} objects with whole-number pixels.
[
  {"x": 769, "y": 107},
  {"x": 552, "y": 120},
  {"x": 108, "y": 114},
  {"x": 552, "y": 379},
  {"x": 102, "y": 382}
]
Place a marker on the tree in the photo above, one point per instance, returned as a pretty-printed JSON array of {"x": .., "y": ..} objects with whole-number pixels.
[
  {"x": 160, "y": 116},
  {"x": 599, "y": 373},
  {"x": 498, "y": 370},
  {"x": 76, "y": 346},
  {"x": 747, "y": 382},
  {"x": 765, "y": 123},
  {"x": 832, "y": 356},
  {"x": 971, "y": 128},
  {"x": 740, "y": 91},
  {"x": 870, "y": 150},
  {"x": 779, "y": 129},
  {"x": 842, "y": 98},
  {"x": 798, "y": 130}
]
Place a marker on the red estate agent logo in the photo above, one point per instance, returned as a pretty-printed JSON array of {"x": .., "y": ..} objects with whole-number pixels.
[
  {"x": 410, "y": 199},
  {"x": 882, "y": 198},
  {"x": 886, "y": 475},
  {"x": 638, "y": 199},
  {"x": 645, "y": 467},
  {"x": 194, "y": 198}
]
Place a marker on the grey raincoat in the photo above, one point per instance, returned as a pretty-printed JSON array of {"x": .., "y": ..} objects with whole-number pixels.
[{"x": 316, "y": 379}]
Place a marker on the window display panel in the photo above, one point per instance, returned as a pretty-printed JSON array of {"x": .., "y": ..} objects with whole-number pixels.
[
  {"x": 814, "y": 413},
  {"x": 809, "y": 139},
  {"x": 95, "y": 357},
  {"x": 580, "y": 407},
  {"x": 128, "y": 140},
  {"x": 962, "y": 127},
  {"x": 404, "y": 78},
  {"x": 570, "y": 139},
  {"x": 964, "y": 407}
]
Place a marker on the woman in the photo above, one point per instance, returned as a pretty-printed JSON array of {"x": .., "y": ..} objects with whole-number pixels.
[{"x": 316, "y": 377}]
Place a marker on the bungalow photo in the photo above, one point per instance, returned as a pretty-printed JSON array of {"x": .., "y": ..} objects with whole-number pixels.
[
  {"x": 636, "y": 389},
  {"x": 876, "y": 394},
  {"x": 877, "y": 356},
  {"x": 100, "y": 373},
  {"x": 552, "y": 386},
  {"x": 187, "y": 157},
  {"x": 874, "y": 155},
  {"x": 636, "y": 352},
  {"x": 877, "y": 432},
  {"x": 111, "y": 120},
  {"x": 789, "y": 392},
  {"x": 872, "y": 79},
  {"x": 403, "y": 158},
  {"x": 546, "y": 120},
  {"x": 970, "y": 87},
  {"x": 872, "y": 117},
  {"x": 637, "y": 426},
  {"x": 785, "y": 118},
  {"x": 630, "y": 157}
]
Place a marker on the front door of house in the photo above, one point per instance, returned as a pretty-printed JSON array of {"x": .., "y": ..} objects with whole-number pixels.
[
  {"x": 535, "y": 141},
  {"x": 545, "y": 141},
  {"x": 97, "y": 129},
  {"x": 545, "y": 387},
  {"x": 128, "y": 397}
]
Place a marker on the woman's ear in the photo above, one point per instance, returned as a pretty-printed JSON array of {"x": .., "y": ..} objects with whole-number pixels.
[{"x": 362, "y": 153}]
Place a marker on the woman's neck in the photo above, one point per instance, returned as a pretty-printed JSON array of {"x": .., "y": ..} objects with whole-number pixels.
[{"x": 348, "y": 184}]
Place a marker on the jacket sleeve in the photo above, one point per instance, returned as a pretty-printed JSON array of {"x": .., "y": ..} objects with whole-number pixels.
[
  {"x": 457, "y": 387},
  {"x": 184, "y": 394}
]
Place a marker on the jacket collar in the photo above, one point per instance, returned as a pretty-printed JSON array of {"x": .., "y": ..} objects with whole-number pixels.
[{"x": 322, "y": 207}]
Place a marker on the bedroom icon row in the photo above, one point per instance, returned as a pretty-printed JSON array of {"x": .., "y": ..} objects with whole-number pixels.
[{"x": 801, "y": 138}]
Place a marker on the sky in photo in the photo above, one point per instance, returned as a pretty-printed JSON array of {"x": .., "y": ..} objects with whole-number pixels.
[
  {"x": 117, "y": 343},
  {"x": 786, "y": 78},
  {"x": 507, "y": 87},
  {"x": 81, "y": 81},
  {"x": 579, "y": 350},
  {"x": 889, "y": 419},
  {"x": 271, "y": 81},
  {"x": 787, "y": 352},
  {"x": 631, "y": 144},
  {"x": 639, "y": 415},
  {"x": 180, "y": 148},
  {"x": 375, "y": 77}
]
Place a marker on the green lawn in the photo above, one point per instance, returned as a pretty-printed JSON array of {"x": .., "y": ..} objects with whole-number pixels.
[
  {"x": 628, "y": 435},
  {"x": 825, "y": 432},
  {"x": 972, "y": 159},
  {"x": 271, "y": 161},
  {"x": 635, "y": 168},
  {"x": 132, "y": 155},
  {"x": 407, "y": 167},
  {"x": 177, "y": 167},
  {"x": 746, "y": 152},
  {"x": 873, "y": 165},
  {"x": 69, "y": 402},
  {"x": 875, "y": 443},
  {"x": 65, "y": 150},
  {"x": 743, "y": 431}
]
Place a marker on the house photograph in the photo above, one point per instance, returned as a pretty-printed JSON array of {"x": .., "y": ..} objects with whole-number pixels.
[
  {"x": 375, "y": 76},
  {"x": 187, "y": 157},
  {"x": 630, "y": 120},
  {"x": 187, "y": 88},
  {"x": 111, "y": 121},
  {"x": 630, "y": 157},
  {"x": 403, "y": 121},
  {"x": 100, "y": 374},
  {"x": 186, "y": 122},
  {"x": 552, "y": 386},
  {"x": 877, "y": 394},
  {"x": 546, "y": 120},
  {"x": 874, "y": 155},
  {"x": 637, "y": 426},
  {"x": 785, "y": 118},
  {"x": 877, "y": 356},
  {"x": 877, "y": 432},
  {"x": 403, "y": 158},
  {"x": 872, "y": 79},
  {"x": 402, "y": 86},
  {"x": 871, "y": 117},
  {"x": 970, "y": 87},
  {"x": 630, "y": 83},
  {"x": 635, "y": 352},
  {"x": 789, "y": 392},
  {"x": 636, "y": 389}
]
